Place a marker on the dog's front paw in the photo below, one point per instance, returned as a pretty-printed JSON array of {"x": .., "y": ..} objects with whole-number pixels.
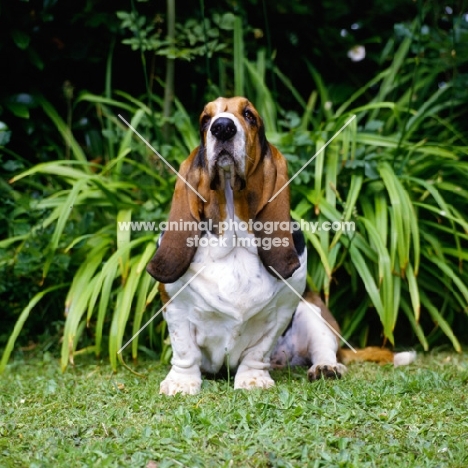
[
  {"x": 327, "y": 371},
  {"x": 253, "y": 378},
  {"x": 179, "y": 383}
]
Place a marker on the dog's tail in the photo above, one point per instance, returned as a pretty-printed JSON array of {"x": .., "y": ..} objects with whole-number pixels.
[
  {"x": 376, "y": 354},
  {"x": 370, "y": 353}
]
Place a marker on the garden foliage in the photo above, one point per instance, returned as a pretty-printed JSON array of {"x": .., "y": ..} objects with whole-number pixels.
[{"x": 397, "y": 171}]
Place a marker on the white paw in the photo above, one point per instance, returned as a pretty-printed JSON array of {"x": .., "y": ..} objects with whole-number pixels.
[
  {"x": 253, "y": 378},
  {"x": 329, "y": 371},
  {"x": 185, "y": 384}
]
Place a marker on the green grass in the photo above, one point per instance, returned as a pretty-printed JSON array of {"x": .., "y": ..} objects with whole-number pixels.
[{"x": 375, "y": 416}]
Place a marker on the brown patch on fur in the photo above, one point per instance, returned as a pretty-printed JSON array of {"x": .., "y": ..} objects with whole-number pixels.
[
  {"x": 369, "y": 354},
  {"x": 265, "y": 182},
  {"x": 162, "y": 292},
  {"x": 173, "y": 256},
  {"x": 346, "y": 356},
  {"x": 315, "y": 299}
]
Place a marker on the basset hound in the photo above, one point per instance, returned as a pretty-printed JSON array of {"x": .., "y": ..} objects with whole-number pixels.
[{"x": 231, "y": 269}]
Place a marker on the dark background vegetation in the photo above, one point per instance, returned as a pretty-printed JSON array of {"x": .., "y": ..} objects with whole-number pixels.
[
  {"x": 49, "y": 45},
  {"x": 71, "y": 43},
  {"x": 57, "y": 49}
]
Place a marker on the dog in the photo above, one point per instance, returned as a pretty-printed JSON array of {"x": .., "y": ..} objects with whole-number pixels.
[{"x": 232, "y": 278}]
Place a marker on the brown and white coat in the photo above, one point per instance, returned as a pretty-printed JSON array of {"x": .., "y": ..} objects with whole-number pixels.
[{"x": 237, "y": 312}]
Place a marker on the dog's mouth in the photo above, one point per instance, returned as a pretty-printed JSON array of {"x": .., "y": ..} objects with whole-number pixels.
[{"x": 225, "y": 172}]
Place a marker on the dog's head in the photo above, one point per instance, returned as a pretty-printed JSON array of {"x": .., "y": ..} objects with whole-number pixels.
[
  {"x": 233, "y": 151},
  {"x": 232, "y": 140}
]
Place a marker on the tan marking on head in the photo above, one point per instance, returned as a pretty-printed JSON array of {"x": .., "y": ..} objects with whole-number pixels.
[{"x": 246, "y": 116}]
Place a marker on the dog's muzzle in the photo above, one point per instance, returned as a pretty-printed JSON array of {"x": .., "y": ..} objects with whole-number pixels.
[{"x": 224, "y": 164}]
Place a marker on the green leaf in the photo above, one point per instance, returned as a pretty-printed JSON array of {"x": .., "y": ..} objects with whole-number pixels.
[
  {"x": 18, "y": 109},
  {"x": 447, "y": 270},
  {"x": 65, "y": 131},
  {"x": 59, "y": 168},
  {"x": 400, "y": 211},
  {"x": 20, "y": 322},
  {"x": 350, "y": 204},
  {"x": 140, "y": 308},
  {"x": 123, "y": 238},
  {"x": 373, "y": 291},
  {"x": 63, "y": 212},
  {"x": 440, "y": 321},
  {"x": 124, "y": 302},
  {"x": 415, "y": 325},
  {"x": 20, "y": 38},
  {"x": 414, "y": 291}
]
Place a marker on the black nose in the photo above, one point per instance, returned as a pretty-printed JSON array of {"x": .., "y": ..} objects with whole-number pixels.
[{"x": 223, "y": 129}]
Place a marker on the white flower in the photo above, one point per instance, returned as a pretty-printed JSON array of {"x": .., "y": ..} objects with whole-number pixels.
[{"x": 357, "y": 53}]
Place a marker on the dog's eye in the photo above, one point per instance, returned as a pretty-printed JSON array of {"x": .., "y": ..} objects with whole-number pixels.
[
  {"x": 205, "y": 120},
  {"x": 249, "y": 116}
]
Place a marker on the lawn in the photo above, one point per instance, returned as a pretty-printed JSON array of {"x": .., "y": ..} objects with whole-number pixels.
[{"x": 375, "y": 416}]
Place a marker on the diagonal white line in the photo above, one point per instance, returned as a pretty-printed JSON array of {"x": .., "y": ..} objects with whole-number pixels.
[
  {"x": 159, "y": 311},
  {"x": 313, "y": 310},
  {"x": 312, "y": 158},
  {"x": 157, "y": 154}
]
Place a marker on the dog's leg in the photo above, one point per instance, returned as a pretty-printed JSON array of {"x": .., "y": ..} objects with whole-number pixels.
[
  {"x": 310, "y": 340},
  {"x": 324, "y": 343},
  {"x": 253, "y": 373},
  {"x": 255, "y": 360},
  {"x": 184, "y": 376}
]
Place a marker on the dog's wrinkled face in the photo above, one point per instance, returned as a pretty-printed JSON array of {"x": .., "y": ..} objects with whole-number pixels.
[
  {"x": 240, "y": 175},
  {"x": 233, "y": 137}
]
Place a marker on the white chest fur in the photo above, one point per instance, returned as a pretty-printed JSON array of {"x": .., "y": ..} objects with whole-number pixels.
[{"x": 232, "y": 305}]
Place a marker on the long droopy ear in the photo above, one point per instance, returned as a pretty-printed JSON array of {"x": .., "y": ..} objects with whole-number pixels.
[
  {"x": 175, "y": 252},
  {"x": 283, "y": 257}
]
